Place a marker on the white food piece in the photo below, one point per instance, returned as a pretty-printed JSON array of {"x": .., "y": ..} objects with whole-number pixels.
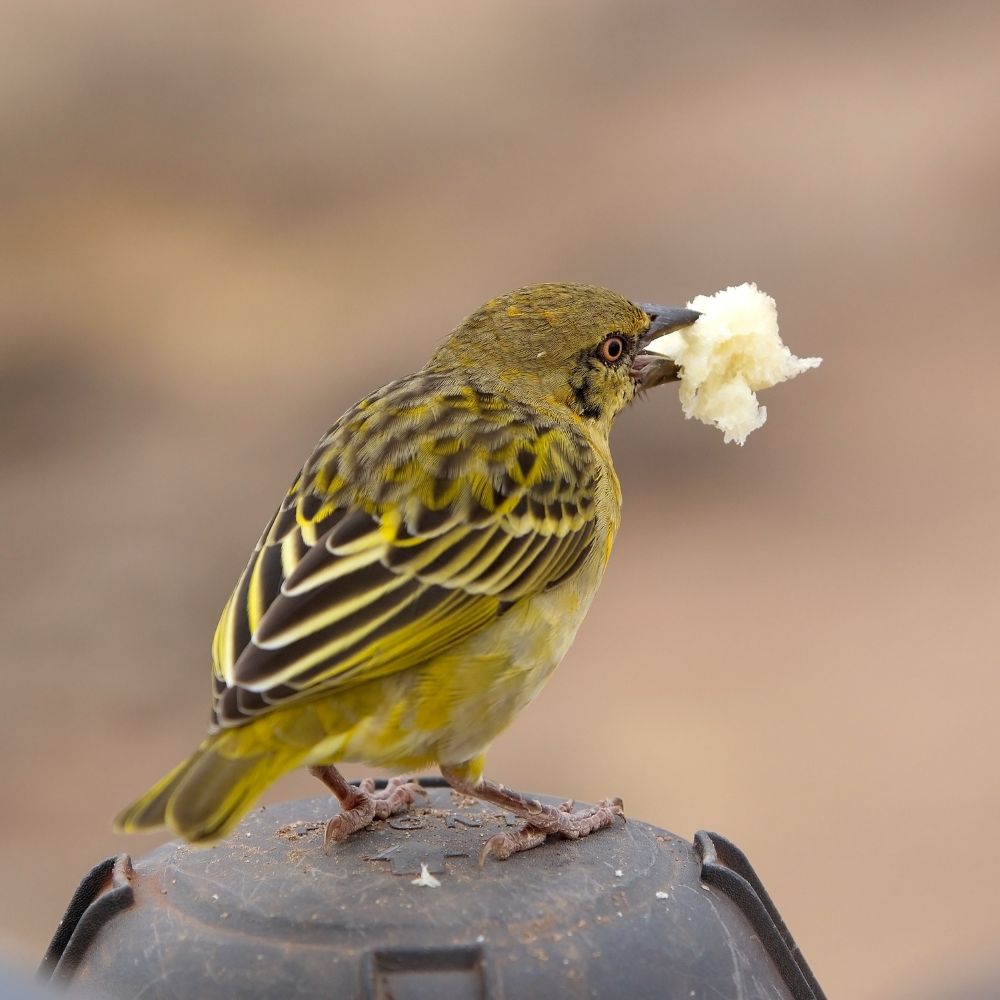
[
  {"x": 426, "y": 878},
  {"x": 729, "y": 354}
]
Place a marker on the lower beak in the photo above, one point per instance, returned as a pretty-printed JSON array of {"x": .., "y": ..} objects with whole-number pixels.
[{"x": 649, "y": 368}]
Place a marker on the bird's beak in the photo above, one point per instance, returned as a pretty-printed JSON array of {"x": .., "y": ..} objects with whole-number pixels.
[{"x": 649, "y": 368}]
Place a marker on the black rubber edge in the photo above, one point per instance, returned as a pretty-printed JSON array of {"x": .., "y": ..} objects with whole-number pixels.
[
  {"x": 427, "y": 781},
  {"x": 726, "y": 868},
  {"x": 88, "y": 911}
]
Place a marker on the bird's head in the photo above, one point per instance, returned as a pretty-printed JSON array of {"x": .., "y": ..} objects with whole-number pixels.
[{"x": 576, "y": 345}]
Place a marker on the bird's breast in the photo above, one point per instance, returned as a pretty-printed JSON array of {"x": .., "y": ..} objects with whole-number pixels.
[{"x": 451, "y": 708}]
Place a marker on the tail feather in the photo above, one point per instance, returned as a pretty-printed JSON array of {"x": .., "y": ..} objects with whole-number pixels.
[{"x": 204, "y": 797}]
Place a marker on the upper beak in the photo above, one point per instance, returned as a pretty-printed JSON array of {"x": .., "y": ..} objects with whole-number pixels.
[{"x": 648, "y": 368}]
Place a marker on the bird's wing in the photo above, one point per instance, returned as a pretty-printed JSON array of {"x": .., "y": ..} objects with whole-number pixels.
[{"x": 422, "y": 516}]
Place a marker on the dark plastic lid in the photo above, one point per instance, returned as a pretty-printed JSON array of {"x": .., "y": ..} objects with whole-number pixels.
[{"x": 403, "y": 911}]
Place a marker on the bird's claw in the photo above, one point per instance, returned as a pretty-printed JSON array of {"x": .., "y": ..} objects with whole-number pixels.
[
  {"x": 503, "y": 845},
  {"x": 561, "y": 820},
  {"x": 368, "y": 805}
]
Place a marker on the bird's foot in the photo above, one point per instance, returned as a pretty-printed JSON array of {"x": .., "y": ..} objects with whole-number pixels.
[
  {"x": 540, "y": 820},
  {"x": 361, "y": 805},
  {"x": 564, "y": 821}
]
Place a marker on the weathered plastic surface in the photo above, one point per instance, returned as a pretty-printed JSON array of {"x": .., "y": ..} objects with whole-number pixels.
[{"x": 632, "y": 911}]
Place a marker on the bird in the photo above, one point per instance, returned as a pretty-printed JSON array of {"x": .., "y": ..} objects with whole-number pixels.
[{"x": 426, "y": 571}]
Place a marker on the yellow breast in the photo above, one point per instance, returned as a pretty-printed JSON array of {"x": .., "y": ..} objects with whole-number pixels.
[{"x": 451, "y": 708}]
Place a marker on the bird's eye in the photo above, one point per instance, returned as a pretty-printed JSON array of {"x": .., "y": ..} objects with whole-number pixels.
[{"x": 612, "y": 349}]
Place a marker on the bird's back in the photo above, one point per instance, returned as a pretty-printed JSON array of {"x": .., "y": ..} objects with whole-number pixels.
[{"x": 431, "y": 511}]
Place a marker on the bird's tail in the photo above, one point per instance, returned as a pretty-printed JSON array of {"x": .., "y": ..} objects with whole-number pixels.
[{"x": 203, "y": 798}]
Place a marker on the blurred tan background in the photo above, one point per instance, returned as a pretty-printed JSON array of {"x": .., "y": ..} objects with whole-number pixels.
[{"x": 220, "y": 224}]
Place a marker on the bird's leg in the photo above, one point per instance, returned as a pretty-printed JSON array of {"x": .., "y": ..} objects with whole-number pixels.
[
  {"x": 540, "y": 820},
  {"x": 361, "y": 804}
]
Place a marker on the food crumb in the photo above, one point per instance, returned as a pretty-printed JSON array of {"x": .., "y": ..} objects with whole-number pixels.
[
  {"x": 425, "y": 878},
  {"x": 727, "y": 355}
]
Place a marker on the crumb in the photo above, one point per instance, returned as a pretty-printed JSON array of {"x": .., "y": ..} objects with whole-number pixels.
[
  {"x": 425, "y": 878},
  {"x": 729, "y": 354}
]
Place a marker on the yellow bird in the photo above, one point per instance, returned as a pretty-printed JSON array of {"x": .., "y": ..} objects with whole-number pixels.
[{"x": 427, "y": 571}]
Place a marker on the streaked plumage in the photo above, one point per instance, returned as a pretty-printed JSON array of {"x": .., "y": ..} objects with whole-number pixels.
[{"x": 428, "y": 567}]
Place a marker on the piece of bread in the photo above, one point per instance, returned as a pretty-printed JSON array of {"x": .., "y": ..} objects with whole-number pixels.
[{"x": 731, "y": 352}]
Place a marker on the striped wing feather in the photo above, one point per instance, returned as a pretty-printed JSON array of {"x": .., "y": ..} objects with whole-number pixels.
[{"x": 360, "y": 574}]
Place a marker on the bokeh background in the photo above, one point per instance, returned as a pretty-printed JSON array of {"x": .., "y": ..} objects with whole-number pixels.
[{"x": 222, "y": 223}]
